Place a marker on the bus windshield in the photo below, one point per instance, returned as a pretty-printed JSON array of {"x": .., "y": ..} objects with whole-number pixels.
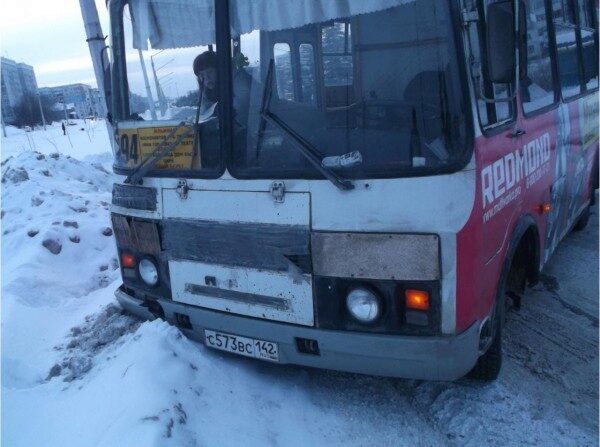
[
  {"x": 372, "y": 87},
  {"x": 377, "y": 78}
]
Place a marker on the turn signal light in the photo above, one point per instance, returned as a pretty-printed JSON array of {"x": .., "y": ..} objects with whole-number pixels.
[
  {"x": 417, "y": 299},
  {"x": 545, "y": 208},
  {"x": 127, "y": 260}
]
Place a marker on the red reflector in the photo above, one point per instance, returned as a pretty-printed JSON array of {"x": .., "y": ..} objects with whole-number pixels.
[
  {"x": 417, "y": 299},
  {"x": 127, "y": 260}
]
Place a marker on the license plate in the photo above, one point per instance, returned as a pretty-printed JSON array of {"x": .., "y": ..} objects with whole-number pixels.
[{"x": 249, "y": 347}]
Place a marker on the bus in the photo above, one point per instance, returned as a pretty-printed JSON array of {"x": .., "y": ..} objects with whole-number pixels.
[{"x": 362, "y": 186}]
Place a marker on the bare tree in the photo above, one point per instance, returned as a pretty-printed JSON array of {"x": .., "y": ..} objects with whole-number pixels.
[{"x": 27, "y": 112}]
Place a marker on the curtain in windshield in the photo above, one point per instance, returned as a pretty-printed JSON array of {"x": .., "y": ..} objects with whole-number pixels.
[
  {"x": 373, "y": 86},
  {"x": 174, "y": 23}
]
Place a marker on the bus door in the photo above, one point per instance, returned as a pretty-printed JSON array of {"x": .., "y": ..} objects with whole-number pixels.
[
  {"x": 575, "y": 32},
  {"x": 337, "y": 70},
  {"x": 314, "y": 67},
  {"x": 498, "y": 156},
  {"x": 294, "y": 55},
  {"x": 546, "y": 123}
]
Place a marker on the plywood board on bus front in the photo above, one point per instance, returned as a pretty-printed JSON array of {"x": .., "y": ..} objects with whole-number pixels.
[{"x": 376, "y": 256}]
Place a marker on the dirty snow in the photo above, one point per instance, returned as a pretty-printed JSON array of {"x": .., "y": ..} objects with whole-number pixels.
[{"x": 78, "y": 371}]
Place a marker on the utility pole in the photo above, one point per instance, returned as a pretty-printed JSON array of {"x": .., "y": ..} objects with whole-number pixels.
[
  {"x": 98, "y": 52},
  {"x": 148, "y": 91},
  {"x": 161, "y": 97},
  {"x": 41, "y": 110}
]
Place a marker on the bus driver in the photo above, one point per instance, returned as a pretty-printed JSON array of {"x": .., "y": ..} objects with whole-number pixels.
[{"x": 205, "y": 69}]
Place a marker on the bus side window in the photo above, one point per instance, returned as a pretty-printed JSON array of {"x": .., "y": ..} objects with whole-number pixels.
[
  {"x": 338, "y": 64},
  {"x": 490, "y": 114},
  {"x": 589, "y": 43},
  {"x": 307, "y": 73},
  {"x": 283, "y": 71},
  {"x": 538, "y": 86},
  {"x": 569, "y": 63}
]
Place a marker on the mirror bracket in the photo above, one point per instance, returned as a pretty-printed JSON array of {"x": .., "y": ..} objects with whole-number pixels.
[
  {"x": 481, "y": 95},
  {"x": 468, "y": 17}
]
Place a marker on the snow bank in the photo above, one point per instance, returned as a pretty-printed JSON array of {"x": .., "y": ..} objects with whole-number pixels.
[
  {"x": 83, "y": 138},
  {"x": 56, "y": 248},
  {"x": 55, "y": 217},
  {"x": 156, "y": 388}
]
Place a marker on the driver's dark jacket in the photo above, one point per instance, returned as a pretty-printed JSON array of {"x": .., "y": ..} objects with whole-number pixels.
[{"x": 242, "y": 84}]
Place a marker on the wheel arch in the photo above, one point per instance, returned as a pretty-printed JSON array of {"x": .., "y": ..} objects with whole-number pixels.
[
  {"x": 521, "y": 262},
  {"x": 524, "y": 249}
]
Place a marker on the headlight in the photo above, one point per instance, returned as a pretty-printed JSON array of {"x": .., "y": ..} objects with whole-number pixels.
[
  {"x": 363, "y": 305},
  {"x": 148, "y": 272}
]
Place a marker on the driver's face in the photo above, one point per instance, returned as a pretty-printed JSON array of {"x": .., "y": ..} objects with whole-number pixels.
[{"x": 208, "y": 77}]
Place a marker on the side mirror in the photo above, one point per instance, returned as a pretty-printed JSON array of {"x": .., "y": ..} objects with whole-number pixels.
[
  {"x": 501, "y": 42},
  {"x": 523, "y": 55},
  {"x": 106, "y": 82},
  {"x": 108, "y": 93}
]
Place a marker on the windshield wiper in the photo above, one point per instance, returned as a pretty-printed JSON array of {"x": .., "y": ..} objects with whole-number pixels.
[
  {"x": 305, "y": 147},
  {"x": 161, "y": 151},
  {"x": 197, "y": 120}
]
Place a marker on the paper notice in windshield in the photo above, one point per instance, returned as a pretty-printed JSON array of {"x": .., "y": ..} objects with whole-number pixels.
[{"x": 137, "y": 144}]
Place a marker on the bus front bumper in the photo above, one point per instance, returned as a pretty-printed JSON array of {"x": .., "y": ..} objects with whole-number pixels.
[{"x": 413, "y": 357}]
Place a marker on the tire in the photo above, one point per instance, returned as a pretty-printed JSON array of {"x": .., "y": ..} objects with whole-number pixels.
[
  {"x": 583, "y": 220},
  {"x": 489, "y": 364}
]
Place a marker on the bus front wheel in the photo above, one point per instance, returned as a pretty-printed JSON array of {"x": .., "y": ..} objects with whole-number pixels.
[
  {"x": 582, "y": 220},
  {"x": 519, "y": 270},
  {"x": 489, "y": 363}
]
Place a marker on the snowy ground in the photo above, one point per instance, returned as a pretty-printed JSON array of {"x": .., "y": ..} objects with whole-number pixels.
[
  {"x": 83, "y": 138},
  {"x": 78, "y": 372}
]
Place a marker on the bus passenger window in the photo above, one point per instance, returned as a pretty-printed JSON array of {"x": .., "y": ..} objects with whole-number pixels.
[
  {"x": 338, "y": 65},
  {"x": 589, "y": 40},
  {"x": 585, "y": 18},
  {"x": 566, "y": 45},
  {"x": 307, "y": 73},
  {"x": 283, "y": 71},
  {"x": 538, "y": 85}
]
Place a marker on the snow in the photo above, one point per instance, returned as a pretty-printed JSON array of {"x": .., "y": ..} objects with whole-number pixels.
[
  {"x": 83, "y": 138},
  {"x": 78, "y": 371},
  {"x": 171, "y": 112}
]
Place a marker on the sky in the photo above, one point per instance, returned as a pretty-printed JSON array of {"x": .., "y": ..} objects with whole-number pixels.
[{"x": 49, "y": 35}]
